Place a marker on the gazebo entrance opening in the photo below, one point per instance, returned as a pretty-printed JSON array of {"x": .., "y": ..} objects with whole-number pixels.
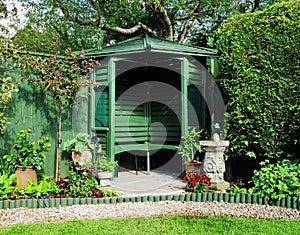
[
  {"x": 148, "y": 115},
  {"x": 142, "y": 110}
]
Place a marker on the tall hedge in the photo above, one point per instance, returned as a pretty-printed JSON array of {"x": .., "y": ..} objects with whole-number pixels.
[{"x": 259, "y": 62}]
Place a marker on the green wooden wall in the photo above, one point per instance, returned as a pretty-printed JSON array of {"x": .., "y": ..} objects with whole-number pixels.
[{"x": 29, "y": 108}]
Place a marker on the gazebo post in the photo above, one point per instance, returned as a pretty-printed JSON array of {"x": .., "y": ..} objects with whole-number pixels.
[{"x": 112, "y": 103}]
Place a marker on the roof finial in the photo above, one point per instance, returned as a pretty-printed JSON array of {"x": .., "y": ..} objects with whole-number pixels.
[{"x": 147, "y": 42}]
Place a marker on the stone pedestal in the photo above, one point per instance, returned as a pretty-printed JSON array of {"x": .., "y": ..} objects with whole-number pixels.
[{"x": 213, "y": 164}]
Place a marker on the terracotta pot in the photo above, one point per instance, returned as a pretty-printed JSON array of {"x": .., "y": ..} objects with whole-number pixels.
[
  {"x": 192, "y": 166},
  {"x": 82, "y": 158},
  {"x": 24, "y": 176}
]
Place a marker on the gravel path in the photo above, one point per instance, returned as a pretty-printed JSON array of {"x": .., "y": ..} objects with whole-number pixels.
[{"x": 10, "y": 217}]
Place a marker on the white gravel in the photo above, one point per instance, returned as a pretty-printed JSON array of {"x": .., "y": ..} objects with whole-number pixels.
[{"x": 10, "y": 217}]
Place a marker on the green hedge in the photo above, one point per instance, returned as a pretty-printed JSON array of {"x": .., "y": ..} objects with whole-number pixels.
[{"x": 259, "y": 62}]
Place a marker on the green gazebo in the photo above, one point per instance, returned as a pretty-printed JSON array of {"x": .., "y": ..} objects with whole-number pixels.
[{"x": 151, "y": 92}]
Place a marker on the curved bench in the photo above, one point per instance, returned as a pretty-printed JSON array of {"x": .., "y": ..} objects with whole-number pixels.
[{"x": 147, "y": 147}]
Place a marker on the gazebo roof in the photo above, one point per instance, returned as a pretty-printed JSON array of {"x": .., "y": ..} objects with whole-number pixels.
[{"x": 150, "y": 43}]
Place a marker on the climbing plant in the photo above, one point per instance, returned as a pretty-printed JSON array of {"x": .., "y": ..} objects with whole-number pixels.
[
  {"x": 260, "y": 67},
  {"x": 8, "y": 86}
]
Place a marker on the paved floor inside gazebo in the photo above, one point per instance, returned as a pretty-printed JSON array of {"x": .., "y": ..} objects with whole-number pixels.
[{"x": 128, "y": 183}]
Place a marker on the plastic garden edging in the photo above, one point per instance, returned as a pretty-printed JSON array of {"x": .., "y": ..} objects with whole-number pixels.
[{"x": 288, "y": 202}]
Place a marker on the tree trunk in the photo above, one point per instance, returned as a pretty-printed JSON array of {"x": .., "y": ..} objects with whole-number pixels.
[{"x": 58, "y": 150}]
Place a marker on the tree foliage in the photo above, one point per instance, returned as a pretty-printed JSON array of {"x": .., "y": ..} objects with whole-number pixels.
[
  {"x": 32, "y": 40},
  {"x": 259, "y": 59},
  {"x": 4, "y": 11},
  {"x": 9, "y": 19},
  {"x": 86, "y": 23}
]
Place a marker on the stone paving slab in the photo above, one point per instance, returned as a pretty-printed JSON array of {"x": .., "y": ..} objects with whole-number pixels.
[{"x": 157, "y": 183}]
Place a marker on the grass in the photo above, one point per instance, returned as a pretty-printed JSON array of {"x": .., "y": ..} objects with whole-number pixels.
[{"x": 176, "y": 224}]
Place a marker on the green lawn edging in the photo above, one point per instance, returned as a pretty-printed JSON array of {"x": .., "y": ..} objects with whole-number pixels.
[{"x": 288, "y": 202}]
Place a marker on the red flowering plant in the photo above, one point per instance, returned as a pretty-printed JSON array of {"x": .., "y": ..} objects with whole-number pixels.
[{"x": 195, "y": 182}]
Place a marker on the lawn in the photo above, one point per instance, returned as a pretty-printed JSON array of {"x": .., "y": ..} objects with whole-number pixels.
[{"x": 175, "y": 224}]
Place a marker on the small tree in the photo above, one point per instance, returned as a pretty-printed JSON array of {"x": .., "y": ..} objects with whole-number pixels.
[{"x": 61, "y": 77}]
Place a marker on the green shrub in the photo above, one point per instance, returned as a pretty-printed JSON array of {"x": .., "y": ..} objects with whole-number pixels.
[
  {"x": 109, "y": 192},
  {"x": 7, "y": 183},
  {"x": 277, "y": 180},
  {"x": 44, "y": 187},
  {"x": 81, "y": 184},
  {"x": 103, "y": 164},
  {"x": 27, "y": 152},
  {"x": 259, "y": 65},
  {"x": 234, "y": 189}
]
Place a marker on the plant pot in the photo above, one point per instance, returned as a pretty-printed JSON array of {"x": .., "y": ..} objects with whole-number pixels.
[
  {"x": 192, "y": 166},
  {"x": 105, "y": 178},
  {"x": 24, "y": 176},
  {"x": 82, "y": 158},
  {"x": 105, "y": 175}
]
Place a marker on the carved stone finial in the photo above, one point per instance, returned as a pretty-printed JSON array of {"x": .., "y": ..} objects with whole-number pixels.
[{"x": 216, "y": 137}]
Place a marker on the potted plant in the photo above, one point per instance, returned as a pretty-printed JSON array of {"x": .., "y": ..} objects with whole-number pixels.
[
  {"x": 28, "y": 156},
  {"x": 82, "y": 147},
  {"x": 104, "y": 170},
  {"x": 188, "y": 148}
]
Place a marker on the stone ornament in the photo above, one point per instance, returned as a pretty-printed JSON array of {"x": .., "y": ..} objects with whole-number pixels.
[{"x": 213, "y": 164}]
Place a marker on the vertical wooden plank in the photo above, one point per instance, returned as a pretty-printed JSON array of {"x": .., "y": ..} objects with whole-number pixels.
[
  {"x": 210, "y": 87},
  {"x": 213, "y": 68},
  {"x": 203, "y": 121},
  {"x": 92, "y": 104},
  {"x": 147, "y": 110},
  {"x": 112, "y": 103},
  {"x": 148, "y": 162},
  {"x": 184, "y": 95},
  {"x": 215, "y": 99}
]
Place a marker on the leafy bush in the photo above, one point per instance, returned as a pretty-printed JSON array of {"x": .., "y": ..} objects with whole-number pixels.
[
  {"x": 80, "y": 184},
  {"x": 110, "y": 192},
  {"x": 7, "y": 185},
  {"x": 44, "y": 187},
  {"x": 234, "y": 189},
  {"x": 27, "y": 152},
  {"x": 277, "y": 180},
  {"x": 103, "y": 164},
  {"x": 80, "y": 142},
  {"x": 259, "y": 62}
]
